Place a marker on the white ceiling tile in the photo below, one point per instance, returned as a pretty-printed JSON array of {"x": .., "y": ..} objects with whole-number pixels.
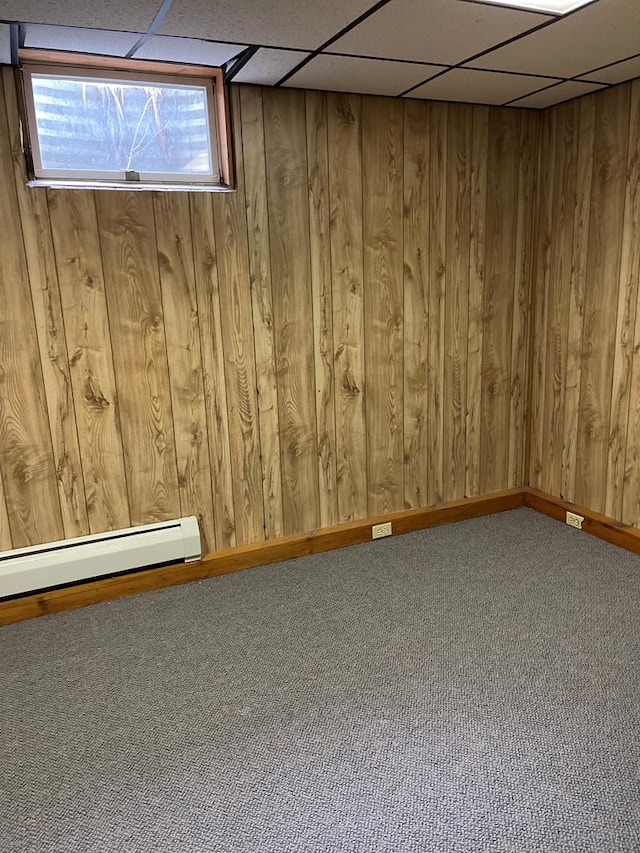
[
  {"x": 279, "y": 23},
  {"x": 268, "y": 66},
  {"x": 601, "y": 33},
  {"x": 478, "y": 87},
  {"x": 618, "y": 73},
  {"x": 557, "y": 94},
  {"x": 106, "y": 14},
  {"x": 196, "y": 51},
  {"x": 5, "y": 44},
  {"x": 105, "y": 42},
  {"x": 552, "y": 7},
  {"x": 365, "y": 76},
  {"x": 445, "y": 31}
]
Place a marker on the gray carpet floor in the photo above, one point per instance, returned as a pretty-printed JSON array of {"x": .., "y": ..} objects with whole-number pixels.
[{"x": 474, "y": 687}]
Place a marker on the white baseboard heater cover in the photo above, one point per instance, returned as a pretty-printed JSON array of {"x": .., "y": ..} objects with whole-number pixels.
[{"x": 55, "y": 563}]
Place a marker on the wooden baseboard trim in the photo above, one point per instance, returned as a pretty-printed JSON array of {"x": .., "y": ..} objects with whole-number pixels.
[
  {"x": 250, "y": 556},
  {"x": 599, "y": 525}
]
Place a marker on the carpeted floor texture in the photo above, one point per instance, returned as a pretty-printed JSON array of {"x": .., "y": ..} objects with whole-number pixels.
[{"x": 474, "y": 687}]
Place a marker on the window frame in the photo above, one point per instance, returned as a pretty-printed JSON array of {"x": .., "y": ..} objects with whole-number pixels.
[{"x": 33, "y": 61}]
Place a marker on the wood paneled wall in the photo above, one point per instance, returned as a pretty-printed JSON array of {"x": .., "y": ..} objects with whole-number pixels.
[
  {"x": 585, "y": 431},
  {"x": 346, "y": 335}
]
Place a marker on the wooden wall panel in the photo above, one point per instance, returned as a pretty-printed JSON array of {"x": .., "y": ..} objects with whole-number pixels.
[
  {"x": 345, "y": 192},
  {"x": 230, "y": 222},
  {"x": 539, "y": 318},
  {"x": 477, "y": 245},
  {"x": 382, "y": 125},
  {"x": 456, "y": 306},
  {"x": 27, "y": 463},
  {"x": 586, "y": 331},
  {"x": 86, "y": 324},
  {"x": 255, "y": 182},
  {"x": 131, "y": 276},
  {"x": 625, "y": 337},
  {"x": 286, "y": 157},
  {"x": 182, "y": 332},
  {"x": 45, "y": 296},
  {"x": 601, "y": 302},
  {"x": 321, "y": 281},
  {"x": 522, "y": 297},
  {"x": 500, "y": 265},
  {"x": 562, "y": 206},
  {"x": 438, "y": 203},
  {"x": 576, "y": 295},
  {"x": 344, "y": 335},
  {"x": 213, "y": 368},
  {"x": 630, "y": 272},
  {"x": 417, "y": 129}
]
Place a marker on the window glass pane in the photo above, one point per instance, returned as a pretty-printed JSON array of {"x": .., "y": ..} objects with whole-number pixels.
[{"x": 115, "y": 125}]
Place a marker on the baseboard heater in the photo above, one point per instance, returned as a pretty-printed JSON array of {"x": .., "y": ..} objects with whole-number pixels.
[{"x": 56, "y": 563}]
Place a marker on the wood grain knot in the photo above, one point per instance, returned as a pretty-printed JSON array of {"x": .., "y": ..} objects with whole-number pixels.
[
  {"x": 349, "y": 385},
  {"x": 93, "y": 395}
]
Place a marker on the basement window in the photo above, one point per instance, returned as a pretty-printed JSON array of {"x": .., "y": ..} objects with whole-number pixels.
[{"x": 128, "y": 126}]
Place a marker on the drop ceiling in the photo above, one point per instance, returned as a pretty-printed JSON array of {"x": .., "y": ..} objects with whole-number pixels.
[{"x": 454, "y": 50}]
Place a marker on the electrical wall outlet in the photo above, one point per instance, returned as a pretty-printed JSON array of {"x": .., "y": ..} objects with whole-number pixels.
[
  {"x": 574, "y": 520},
  {"x": 380, "y": 530}
]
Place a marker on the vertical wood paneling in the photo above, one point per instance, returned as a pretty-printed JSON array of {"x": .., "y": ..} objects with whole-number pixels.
[
  {"x": 182, "y": 331},
  {"x": 500, "y": 264},
  {"x": 286, "y": 157},
  {"x": 255, "y": 182},
  {"x": 477, "y": 240},
  {"x": 229, "y": 211},
  {"x": 131, "y": 276},
  {"x": 86, "y": 324},
  {"x": 590, "y": 287},
  {"x": 541, "y": 301},
  {"x": 417, "y": 127},
  {"x": 558, "y": 298},
  {"x": 437, "y": 287},
  {"x": 27, "y": 462},
  {"x": 345, "y": 191},
  {"x": 213, "y": 368},
  {"x": 626, "y": 320},
  {"x": 320, "y": 248},
  {"x": 630, "y": 276},
  {"x": 522, "y": 302},
  {"x": 383, "y": 300},
  {"x": 576, "y": 296},
  {"x": 45, "y": 296},
  {"x": 456, "y": 310},
  {"x": 346, "y": 334},
  {"x": 601, "y": 303}
]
